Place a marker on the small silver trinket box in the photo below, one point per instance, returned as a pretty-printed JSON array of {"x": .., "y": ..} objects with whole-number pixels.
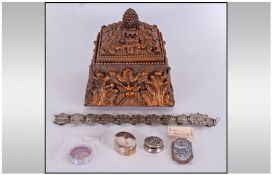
[{"x": 153, "y": 144}]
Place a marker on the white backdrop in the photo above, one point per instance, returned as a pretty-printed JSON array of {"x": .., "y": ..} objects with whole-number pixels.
[{"x": 195, "y": 36}]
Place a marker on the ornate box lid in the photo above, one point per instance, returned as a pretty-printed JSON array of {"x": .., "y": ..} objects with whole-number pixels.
[{"x": 130, "y": 40}]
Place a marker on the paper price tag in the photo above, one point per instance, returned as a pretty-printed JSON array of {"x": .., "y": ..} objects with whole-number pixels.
[{"x": 181, "y": 132}]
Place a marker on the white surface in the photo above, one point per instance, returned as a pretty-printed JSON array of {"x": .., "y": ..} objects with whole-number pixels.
[{"x": 195, "y": 36}]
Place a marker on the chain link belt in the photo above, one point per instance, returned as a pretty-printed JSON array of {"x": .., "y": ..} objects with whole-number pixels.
[{"x": 153, "y": 119}]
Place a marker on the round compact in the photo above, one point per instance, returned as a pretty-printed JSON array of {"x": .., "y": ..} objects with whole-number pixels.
[
  {"x": 125, "y": 143},
  {"x": 80, "y": 155},
  {"x": 153, "y": 144}
]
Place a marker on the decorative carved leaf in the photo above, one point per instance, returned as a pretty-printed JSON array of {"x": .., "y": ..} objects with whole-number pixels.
[{"x": 147, "y": 98}]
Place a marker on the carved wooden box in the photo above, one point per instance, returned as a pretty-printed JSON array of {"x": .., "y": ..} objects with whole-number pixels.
[{"x": 129, "y": 66}]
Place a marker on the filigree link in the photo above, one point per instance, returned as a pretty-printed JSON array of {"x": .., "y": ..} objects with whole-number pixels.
[
  {"x": 137, "y": 119},
  {"x": 152, "y": 119},
  {"x": 165, "y": 119},
  {"x": 105, "y": 119}
]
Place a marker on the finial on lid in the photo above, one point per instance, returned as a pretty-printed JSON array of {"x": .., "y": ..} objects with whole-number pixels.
[{"x": 130, "y": 19}]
